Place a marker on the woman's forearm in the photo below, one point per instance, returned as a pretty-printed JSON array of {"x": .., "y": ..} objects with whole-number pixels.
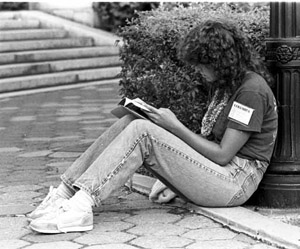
[
  {"x": 232, "y": 141},
  {"x": 209, "y": 149}
]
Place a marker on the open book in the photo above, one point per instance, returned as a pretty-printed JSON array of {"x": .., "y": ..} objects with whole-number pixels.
[{"x": 127, "y": 106}]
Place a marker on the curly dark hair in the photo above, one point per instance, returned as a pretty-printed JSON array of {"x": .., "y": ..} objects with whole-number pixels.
[{"x": 226, "y": 48}]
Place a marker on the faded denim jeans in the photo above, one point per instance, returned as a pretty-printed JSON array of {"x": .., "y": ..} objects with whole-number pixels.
[{"x": 130, "y": 143}]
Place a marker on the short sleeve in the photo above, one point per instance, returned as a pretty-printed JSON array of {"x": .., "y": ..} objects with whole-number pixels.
[{"x": 254, "y": 101}]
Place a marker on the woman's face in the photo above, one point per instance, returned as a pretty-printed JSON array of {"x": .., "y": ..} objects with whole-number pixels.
[{"x": 207, "y": 72}]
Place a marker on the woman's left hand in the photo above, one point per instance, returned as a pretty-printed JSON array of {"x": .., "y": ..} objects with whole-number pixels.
[{"x": 160, "y": 193}]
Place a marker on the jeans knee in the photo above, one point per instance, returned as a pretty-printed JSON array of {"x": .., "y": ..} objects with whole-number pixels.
[
  {"x": 127, "y": 118},
  {"x": 140, "y": 125}
]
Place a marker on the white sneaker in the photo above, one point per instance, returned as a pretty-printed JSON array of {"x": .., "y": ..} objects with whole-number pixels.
[
  {"x": 51, "y": 202},
  {"x": 65, "y": 219}
]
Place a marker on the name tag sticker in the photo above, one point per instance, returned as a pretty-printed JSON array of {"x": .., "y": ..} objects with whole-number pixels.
[{"x": 240, "y": 113}]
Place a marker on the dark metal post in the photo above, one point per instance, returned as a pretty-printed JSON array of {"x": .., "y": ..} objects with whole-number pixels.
[{"x": 280, "y": 187}]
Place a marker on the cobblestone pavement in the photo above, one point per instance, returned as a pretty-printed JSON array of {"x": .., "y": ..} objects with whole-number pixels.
[{"x": 40, "y": 136}]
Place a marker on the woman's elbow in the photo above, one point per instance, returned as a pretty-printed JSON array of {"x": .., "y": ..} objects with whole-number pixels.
[{"x": 223, "y": 160}]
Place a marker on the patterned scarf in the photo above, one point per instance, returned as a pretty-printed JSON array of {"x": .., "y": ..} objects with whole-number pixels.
[{"x": 214, "y": 109}]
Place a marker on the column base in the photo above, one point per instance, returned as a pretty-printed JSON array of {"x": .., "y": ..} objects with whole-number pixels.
[{"x": 277, "y": 191}]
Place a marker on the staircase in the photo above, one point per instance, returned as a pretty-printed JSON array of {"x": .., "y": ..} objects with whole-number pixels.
[{"x": 34, "y": 56}]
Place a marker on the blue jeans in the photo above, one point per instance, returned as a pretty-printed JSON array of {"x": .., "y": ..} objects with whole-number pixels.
[{"x": 130, "y": 143}]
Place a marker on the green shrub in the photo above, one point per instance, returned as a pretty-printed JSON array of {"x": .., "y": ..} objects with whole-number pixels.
[
  {"x": 113, "y": 15},
  {"x": 10, "y": 6},
  {"x": 151, "y": 69}
]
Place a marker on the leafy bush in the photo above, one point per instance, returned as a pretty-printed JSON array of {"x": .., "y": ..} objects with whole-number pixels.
[
  {"x": 151, "y": 69},
  {"x": 113, "y": 15},
  {"x": 5, "y": 6}
]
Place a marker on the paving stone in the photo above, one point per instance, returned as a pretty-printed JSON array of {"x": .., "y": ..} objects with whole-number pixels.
[
  {"x": 161, "y": 242},
  {"x": 110, "y": 217},
  {"x": 2, "y": 128},
  {"x": 68, "y": 119},
  {"x": 9, "y": 149},
  {"x": 219, "y": 244},
  {"x": 15, "y": 209},
  {"x": 115, "y": 205},
  {"x": 104, "y": 238},
  {"x": 111, "y": 226},
  {"x": 210, "y": 234},
  {"x": 60, "y": 164},
  {"x": 51, "y": 182},
  {"x": 53, "y": 177},
  {"x": 91, "y": 109},
  {"x": 64, "y": 154},
  {"x": 46, "y": 238},
  {"x": 72, "y": 97},
  {"x": 157, "y": 229},
  {"x": 107, "y": 120},
  {"x": 37, "y": 139},
  {"x": 23, "y": 118},
  {"x": 45, "y": 123},
  {"x": 74, "y": 147},
  {"x": 13, "y": 244},
  {"x": 51, "y": 104},
  {"x": 18, "y": 179},
  {"x": 13, "y": 227},
  {"x": 9, "y": 108},
  {"x": 91, "y": 100},
  {"x": 56, "y": 245},
  {"x": 66, "y": 109},
  {"x": 96, "y": 128},
  {"x": 91, "y": 122},
  {"x": 112, "y": 246},
  {"x": 152, "y": 218},
  {"x": 197, "y": 221},
  {"x": 40, "y": 153},
  {"x": 92, "y": 117},
  {"x": 16, "y": 197},
  {"x": 63, "y": 138},
  {"x": 32, "y": 168},
  {"x": 10, "y": 233},
  {"x": 21, "y": 188}
]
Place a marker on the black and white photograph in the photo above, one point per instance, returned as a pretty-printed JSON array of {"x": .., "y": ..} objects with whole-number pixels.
[{"x": 150, "y": 125}]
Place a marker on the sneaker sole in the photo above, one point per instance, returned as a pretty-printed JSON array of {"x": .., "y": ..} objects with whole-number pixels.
[{"x": 66, "y": 230}]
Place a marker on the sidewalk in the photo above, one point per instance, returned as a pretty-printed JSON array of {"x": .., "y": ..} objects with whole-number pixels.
[{"x": 41, "y": 135}]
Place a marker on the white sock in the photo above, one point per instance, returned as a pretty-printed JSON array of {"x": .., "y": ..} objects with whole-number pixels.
[
  {"x": 64, "y": 191},
  {"x": 82, "y": 201}
]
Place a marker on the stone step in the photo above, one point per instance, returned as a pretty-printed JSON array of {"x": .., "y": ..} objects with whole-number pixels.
[
  {"x": 31, "y": 34},
  {"x": 46, "y": 44},
  {"x": 7, "y": 15},
  {"x": 13, "y": 70},
  {"x": 55, "y": 79},
  {"x": 8, "y": 24},
  {"x": 57, "y": 54}
]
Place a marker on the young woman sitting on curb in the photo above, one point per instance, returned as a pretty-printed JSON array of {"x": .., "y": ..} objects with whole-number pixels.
[{"x": 222, "y": 167}]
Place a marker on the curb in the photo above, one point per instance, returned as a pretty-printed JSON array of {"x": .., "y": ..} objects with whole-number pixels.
[{"x": 238, "y": 219}]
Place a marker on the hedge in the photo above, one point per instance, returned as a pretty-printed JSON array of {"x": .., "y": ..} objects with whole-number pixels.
[
  {"x": 113, "y": 15},
  {"x": 12, "y": 6},
  {"x": 151, "y": 69}
]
